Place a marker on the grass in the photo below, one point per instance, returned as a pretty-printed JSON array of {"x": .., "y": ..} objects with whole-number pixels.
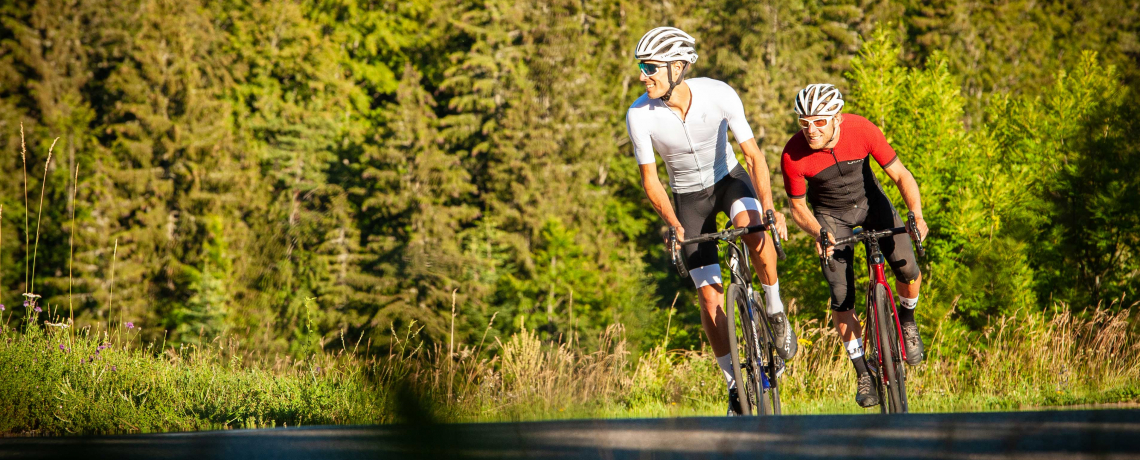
[{"x": 110, "y": 382}]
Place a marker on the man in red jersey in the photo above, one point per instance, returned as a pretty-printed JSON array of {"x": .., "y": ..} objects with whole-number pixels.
[{"x": 831, "y": 154}]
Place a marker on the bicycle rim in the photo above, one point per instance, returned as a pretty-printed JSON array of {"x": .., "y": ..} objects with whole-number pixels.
[
  {"x": 889, "y": 351},
  {"x": 738, "y": 371},
  {"x": 766, "y": 362},
  {"x": 744, "y": 334}
]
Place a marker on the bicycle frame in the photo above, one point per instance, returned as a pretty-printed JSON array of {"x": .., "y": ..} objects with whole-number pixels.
[
  {"x": 740, "y": 272},
  {"x": 875, "y": 263},
  {"x": 886, "y": 355}
]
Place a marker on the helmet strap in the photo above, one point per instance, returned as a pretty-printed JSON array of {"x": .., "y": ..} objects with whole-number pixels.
[{"x": 673, "y": 83}]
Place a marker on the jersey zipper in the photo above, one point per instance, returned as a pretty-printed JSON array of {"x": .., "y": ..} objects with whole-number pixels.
[
  {"x": 842, "y": 176},
  {"x": 692, "y": 150}
]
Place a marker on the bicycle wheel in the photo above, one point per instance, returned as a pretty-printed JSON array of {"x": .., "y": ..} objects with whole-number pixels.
[
  {"x": 889, "y": 351},
  {"x": 770, "y": 363},
  {"x": 742, "y": 340}
]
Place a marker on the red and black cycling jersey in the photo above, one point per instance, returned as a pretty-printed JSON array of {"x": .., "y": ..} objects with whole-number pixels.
[{"x": 841, "y": 178}]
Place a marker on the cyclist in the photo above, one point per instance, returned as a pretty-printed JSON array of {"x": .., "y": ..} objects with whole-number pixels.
[
  {"x": 830, "y": 153},
  {"x": 686, "y": 121}
]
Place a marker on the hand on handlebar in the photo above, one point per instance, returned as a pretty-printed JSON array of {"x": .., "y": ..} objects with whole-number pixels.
[
  {"x": 830, "y": 247},
  {"x": 680, "y": 232},
  {"x": 781, "y": 226},
  {"x": 923, "y": 230}
]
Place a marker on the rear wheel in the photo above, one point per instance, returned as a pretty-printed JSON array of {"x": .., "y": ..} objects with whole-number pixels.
[
  {"x": 892, "y": 366},
  {"x": 742, "y": 343}
]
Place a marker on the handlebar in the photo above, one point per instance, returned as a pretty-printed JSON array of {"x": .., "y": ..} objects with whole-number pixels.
[
  {"x": 726, "y": 235},
  {"x": 910, "y": 228}
]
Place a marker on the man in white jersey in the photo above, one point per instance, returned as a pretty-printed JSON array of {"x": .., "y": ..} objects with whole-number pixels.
[{"x": 686, "y": 122}]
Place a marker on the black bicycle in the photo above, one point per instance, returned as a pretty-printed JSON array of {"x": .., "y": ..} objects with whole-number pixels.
[
  {"x": 884, "y": 331},
  {"x": 755, "y": 364}
]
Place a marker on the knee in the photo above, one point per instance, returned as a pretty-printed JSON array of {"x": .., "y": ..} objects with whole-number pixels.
[{"x": 842, "y": 299}]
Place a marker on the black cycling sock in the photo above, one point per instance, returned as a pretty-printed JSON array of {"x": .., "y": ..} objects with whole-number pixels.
[
  {"x": 906, "y": 315},
  {"x": 860, "y": 365}
]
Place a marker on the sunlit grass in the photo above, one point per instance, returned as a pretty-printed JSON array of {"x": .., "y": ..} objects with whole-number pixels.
[{"x": 109, "y": 383}]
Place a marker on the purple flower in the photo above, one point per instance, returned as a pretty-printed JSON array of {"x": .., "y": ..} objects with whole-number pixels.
[
  {"x": 61, "y": 347},
  {"x": 37, "y": 309},
  {"x": 130, "y": 325},
  {"x": 113, "y": 369},
  {"x": 1, "y": 307}
]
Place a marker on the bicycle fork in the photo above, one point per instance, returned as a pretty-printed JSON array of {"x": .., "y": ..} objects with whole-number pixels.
[{"x": 879, "y": 277}]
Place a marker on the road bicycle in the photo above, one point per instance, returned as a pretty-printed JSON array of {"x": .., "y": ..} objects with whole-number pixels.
[
  {"x": 755, "y": 364},
  {"x": 884, "y": 341}
]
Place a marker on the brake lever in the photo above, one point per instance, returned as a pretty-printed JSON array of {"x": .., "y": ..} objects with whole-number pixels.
[
  {"x": 675, "y": 255},
  {"x": 770, "y": 217},
  {"x": 912, "y": 228},
  {"x": 824, "y": 243}
]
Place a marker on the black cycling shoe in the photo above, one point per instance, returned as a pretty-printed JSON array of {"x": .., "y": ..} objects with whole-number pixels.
[
  {"x": 913, "y": 343},
  {"x": 734, "y": 408},
  {"x": 786, "y": 344},
  {"x": 867, "y": 394}
]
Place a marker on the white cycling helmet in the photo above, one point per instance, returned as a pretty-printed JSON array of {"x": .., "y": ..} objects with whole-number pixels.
[
  {"x": 666, "y": 44},
  {"x": 819, "y": 99}
]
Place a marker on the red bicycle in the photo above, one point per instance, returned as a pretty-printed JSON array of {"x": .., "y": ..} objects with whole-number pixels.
[{"x": 885, "y": 341}]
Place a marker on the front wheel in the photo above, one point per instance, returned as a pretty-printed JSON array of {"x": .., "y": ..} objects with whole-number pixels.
[
  {"x": 889, "y": 353},
  {"x": 743, "y": 349}
]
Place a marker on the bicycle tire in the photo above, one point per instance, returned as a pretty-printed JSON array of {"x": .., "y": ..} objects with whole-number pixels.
[
  {"x": 770, "y": 363},
  {"x": 889, "y": 352},
  {"x": 745, "y": 372}
]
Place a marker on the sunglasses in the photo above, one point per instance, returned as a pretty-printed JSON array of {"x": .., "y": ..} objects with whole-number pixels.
[
  {"x": 649, "y": 69},
  {"x": 820, "y": 123}
]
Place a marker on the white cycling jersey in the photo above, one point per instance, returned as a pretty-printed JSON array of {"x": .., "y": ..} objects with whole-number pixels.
[{"x": 695, "y": 151}]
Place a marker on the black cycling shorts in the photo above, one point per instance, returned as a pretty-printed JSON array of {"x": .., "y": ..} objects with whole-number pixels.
[
  {"x": 697, "y": 212},
  {"x": 876, "y": 214}
]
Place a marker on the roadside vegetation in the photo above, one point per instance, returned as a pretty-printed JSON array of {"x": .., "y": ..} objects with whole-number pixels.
[{"x": 95, "y": 381}]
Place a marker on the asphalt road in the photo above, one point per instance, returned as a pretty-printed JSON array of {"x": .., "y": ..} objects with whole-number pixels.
[{"x": 1038, "y": 435}]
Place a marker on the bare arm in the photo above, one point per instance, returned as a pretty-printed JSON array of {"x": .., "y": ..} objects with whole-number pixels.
[
  {"x": 762, "y": 181},
  {"x": 807, "y": 222},
  {"x": 908, "y": 187},
  {"x": 659, "y": 198}
]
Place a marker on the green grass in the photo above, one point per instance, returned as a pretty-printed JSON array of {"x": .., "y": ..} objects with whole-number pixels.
[{"x": 1025, "y": 362}]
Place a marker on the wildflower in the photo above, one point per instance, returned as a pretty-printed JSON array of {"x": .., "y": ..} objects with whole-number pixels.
[
  {"x": 113, "y": 369},
  {"x": 61, "y": 347},
  {"x": 130, "y": 325},
  {"x": 37, "y": 309},
  {"x": 1, "y": 307},
  {"x": 25, "y": 304}
]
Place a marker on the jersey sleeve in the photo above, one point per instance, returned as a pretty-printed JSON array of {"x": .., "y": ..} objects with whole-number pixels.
[
  {"x": 639, "y": 137},
  {"x": 878, "y": 146},
  {"x": 734, "y": 114},
  {"x": 794, "y": 183}
]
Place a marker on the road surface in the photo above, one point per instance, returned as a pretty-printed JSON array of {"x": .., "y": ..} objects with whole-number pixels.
[{"x": 1107, "y": 434}]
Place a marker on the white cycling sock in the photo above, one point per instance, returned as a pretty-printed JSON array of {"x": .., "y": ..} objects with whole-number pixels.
[
  {"x": 910, "y": 304},
  {"x": 725, "y": 363},
  {"x": 854, "y": 348},
  {"x": 772, "y": 296}
]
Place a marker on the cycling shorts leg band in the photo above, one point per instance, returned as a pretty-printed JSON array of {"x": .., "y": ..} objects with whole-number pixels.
[
  {"x": 743, "y": 204},
  {"x": 706, "y": 275}
]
